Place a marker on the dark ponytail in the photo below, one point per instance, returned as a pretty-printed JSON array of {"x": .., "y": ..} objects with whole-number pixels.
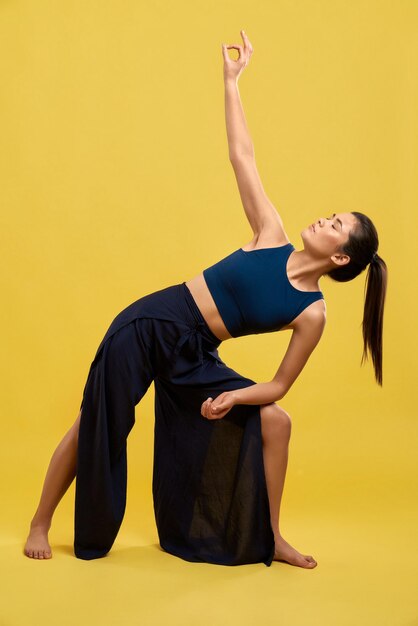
[{"x": 361, "y": 247}]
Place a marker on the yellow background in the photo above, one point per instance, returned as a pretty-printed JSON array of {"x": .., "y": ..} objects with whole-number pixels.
[{"x": 115, "y": 182}]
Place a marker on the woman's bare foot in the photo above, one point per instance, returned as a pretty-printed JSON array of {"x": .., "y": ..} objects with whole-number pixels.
[
  {"x": 37, "y": 546},
  {"x": 283, "y": 551}
]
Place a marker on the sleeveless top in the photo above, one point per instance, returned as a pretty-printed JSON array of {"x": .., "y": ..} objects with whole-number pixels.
[{"x": 253, "y": 293}]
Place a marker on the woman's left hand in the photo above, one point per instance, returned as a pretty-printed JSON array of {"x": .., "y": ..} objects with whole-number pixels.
[{"x": 218, "y": 408}]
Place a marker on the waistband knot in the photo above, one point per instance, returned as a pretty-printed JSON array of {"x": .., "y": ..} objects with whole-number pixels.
[{"x": 193, "y": 337}]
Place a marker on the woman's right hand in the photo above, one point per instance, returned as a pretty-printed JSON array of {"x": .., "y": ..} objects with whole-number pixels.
[
  {"x": 233, "y": 69},
  {"x": 218, "y": 409}
]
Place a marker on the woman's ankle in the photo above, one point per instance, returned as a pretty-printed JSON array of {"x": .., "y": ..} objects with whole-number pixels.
[{"x": 41, "y": 522}]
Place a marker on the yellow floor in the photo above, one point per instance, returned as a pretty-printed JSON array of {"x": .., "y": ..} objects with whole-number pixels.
[{"x": 361, "y": 532}]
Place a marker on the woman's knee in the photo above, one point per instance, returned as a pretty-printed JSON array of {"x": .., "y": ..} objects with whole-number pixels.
[{"x": 275, "y": 420}]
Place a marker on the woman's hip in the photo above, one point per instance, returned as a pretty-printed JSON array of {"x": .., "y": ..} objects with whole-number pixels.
[{"x": 171, "y": 324}]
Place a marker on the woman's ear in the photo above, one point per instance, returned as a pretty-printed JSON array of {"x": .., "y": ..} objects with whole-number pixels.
[{"x": 340, "y": 258}]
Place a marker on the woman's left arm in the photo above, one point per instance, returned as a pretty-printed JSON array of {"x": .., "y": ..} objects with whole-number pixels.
[{"x": 304, "y": 338}]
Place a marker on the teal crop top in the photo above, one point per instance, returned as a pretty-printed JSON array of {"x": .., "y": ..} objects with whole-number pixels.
[{"x": 253, "y": 293}]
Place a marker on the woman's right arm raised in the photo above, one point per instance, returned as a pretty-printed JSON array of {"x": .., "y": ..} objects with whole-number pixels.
[{"x": 261, "y": 213}]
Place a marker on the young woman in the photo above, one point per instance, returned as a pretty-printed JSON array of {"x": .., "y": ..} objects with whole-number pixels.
[{"x": 221, "y": 440}]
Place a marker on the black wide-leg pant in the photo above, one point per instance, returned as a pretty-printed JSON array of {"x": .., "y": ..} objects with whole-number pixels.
[{"x": 209, "y": 488}]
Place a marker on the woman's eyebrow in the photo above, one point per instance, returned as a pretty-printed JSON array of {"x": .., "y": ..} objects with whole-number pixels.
[{"x": 338, "y": 220}]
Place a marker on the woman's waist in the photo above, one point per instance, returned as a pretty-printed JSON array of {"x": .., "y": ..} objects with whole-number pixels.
[{"x": 206, "y": 304}]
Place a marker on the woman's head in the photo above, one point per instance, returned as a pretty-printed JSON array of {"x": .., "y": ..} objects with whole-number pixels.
[
  {"x": 350, "y": 242},
  {"x": 324, "y": 239}
]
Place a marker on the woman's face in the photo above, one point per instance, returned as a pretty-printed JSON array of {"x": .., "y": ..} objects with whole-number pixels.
[{"x": 325, "y": 236}]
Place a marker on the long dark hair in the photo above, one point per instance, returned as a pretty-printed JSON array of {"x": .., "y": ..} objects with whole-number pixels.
[{"x": 361, "y": 247}]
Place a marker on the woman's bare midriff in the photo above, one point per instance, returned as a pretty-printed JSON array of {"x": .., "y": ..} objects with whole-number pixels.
[
  {"x": 205, "y": 302},
  {"x": 203, "y": 298}
]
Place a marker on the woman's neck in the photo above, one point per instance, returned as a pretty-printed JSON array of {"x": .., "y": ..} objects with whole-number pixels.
[{"x": 305, "y": 269}]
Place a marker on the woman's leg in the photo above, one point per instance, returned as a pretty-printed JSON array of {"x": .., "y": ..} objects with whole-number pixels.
[
  {"x": 276, "y": 429},
  {"x": 59, "y": 476}
]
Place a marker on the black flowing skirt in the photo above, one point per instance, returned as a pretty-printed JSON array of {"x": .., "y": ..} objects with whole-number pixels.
[{"x": 209, "y": 489}]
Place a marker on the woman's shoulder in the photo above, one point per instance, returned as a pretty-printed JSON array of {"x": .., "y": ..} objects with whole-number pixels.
[
  {"x": 312, "y": 316},
  {"x": 314, "y": 313}
]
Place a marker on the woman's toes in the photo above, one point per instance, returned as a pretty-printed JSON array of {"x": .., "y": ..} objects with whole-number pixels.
[{"x": 38, "y": 537}]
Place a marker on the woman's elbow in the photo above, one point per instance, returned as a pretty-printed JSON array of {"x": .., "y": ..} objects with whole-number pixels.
[{"x": 280, "y": 390}]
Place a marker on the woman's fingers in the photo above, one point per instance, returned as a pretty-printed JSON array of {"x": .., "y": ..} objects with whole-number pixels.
[
  {"x": 205, "y": 409},
  {"x": 247, "y": 43},
  {"x": 236, "y": 47},
  {"x": 247, "y": 47},
  {"x": 208, "y": 411},
  {"x": 234, "y": 67},
  {"x": 211, "y": 409}
]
